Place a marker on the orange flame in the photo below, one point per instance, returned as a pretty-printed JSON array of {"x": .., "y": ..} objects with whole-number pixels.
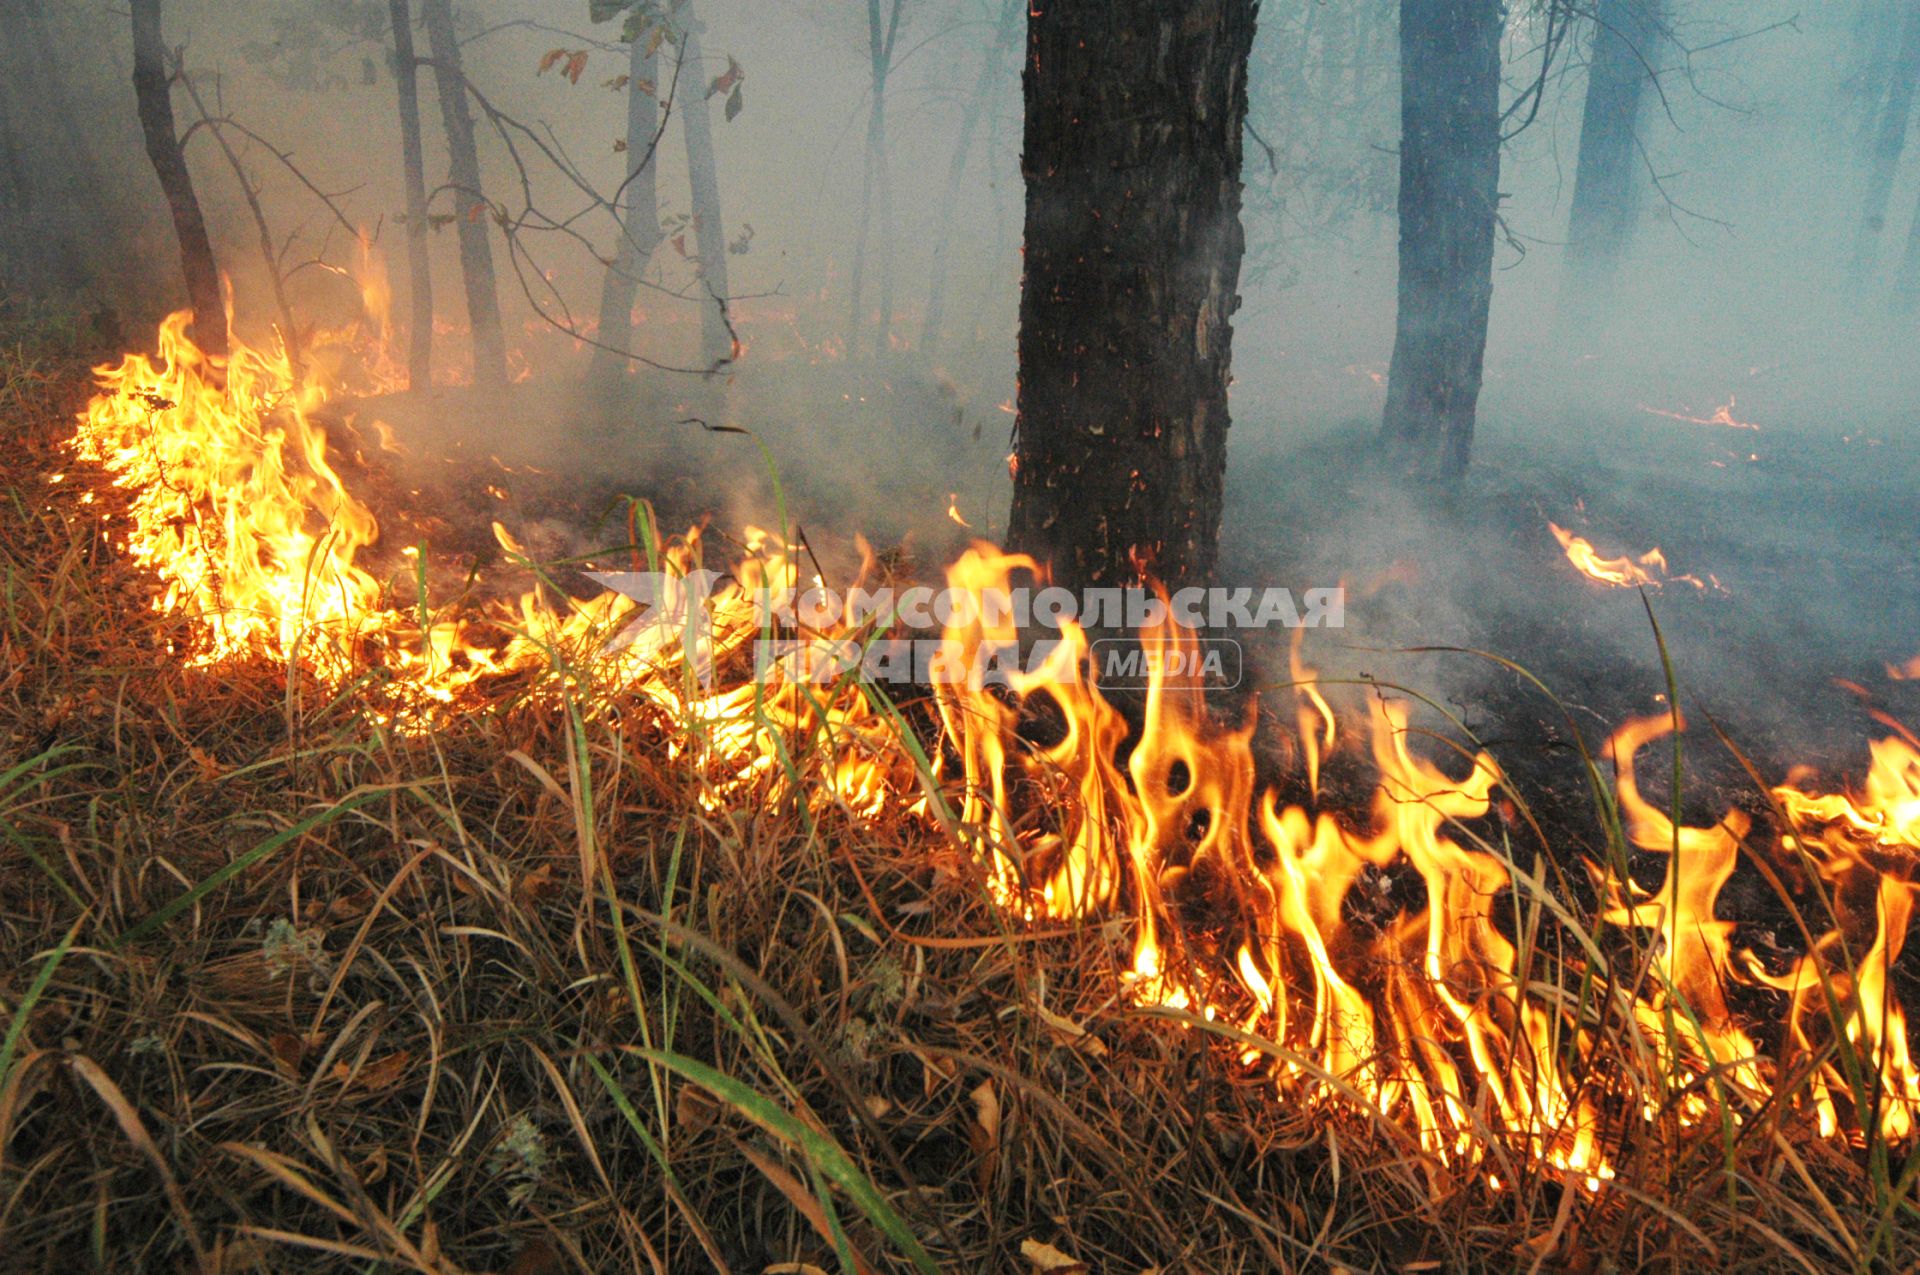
[
  {"x": 1622, "y": 572},
  {"x": 1722, "y": 415},
  {"x": 1466, "y": 1015}
]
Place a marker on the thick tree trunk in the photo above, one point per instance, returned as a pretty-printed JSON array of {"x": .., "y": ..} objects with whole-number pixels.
[
  {"x": 1605, "y": 187},
  {"x": 1133, "y": 247},
  {"x": 153, "y": 95},
  {"x": 406, "y": 82},
  {"x": 1889, "y": 143},
  {"x": 709, "y": 230},
  {"x": 638, "y": 214},
  {"x": 1004, "y": 33},
  {"x": 1449, "y": 195},
  {"x": 472, "y": 212}
]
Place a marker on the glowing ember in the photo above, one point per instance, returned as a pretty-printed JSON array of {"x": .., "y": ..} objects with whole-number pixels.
[
  {"x": 1621, "y": 572},
  {"x": 1908, "y": 672},
  {"x": 1411, "y": 963},
  {"x": 1722, "y": 415}
]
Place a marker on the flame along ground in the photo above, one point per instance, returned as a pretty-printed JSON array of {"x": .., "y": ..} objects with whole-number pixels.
[
  {"x": 1471, "y": 1025},
  {"x": 1649, "y": 570}
]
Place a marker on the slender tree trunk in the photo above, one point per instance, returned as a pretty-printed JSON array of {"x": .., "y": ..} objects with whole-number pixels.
[
  {"x": 153, "y": 95},
  {"x": 406, "y": 83},
  {"x": 1605, "y": 189},
  {"x": 1449, "y": 196},
  {"x": 1906, "y": 288},
  {"x": 472, "y": 212},
  {"x": 68, "y": 237},
  {"x": 875, "y": 178},
  {"x": 1889, "y": 143},
  {"x": 638, "y": 215},
  {"x": 1132, "y": 264},
  {"x": 1876, "y": 35},
  {"x": 709, "y": 229},
  {"x": 17, "y": 262},
  {"x": 1004, "y": 33}
]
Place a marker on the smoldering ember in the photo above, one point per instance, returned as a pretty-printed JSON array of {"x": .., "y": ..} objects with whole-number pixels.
[{"x": 959, "y": 635}]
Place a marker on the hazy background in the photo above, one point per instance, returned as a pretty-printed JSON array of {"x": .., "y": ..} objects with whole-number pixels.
[{"x": 1737, "y": 294}]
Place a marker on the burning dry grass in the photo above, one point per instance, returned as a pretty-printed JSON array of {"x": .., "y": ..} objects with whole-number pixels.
[{"x": 536, "y": 990}]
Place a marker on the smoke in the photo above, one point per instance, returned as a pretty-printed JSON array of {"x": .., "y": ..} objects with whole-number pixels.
[{"x": 1738, "y": 291}]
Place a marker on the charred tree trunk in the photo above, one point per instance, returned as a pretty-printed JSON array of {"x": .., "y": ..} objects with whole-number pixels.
[
  {"x": 1449, "y": 196},
  {"x": 638, "y": 208},
  {"x": 875, "y": 179},
  {"x": 1133, "y": 247},
  {"x": 1605, "y": 188},
  {"x": 471, "y": 210},
  {"x": 1004, "y": 34},
  {"x": 153, "y": 95},
  {"x": 1889, "y": 143},
  {"x": 709, "y": 230},
  {"x": 406, "y": 81}
]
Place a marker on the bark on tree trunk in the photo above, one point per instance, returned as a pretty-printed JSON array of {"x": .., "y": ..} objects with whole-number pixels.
[
  {"x": 1132, "y": 265},
  {"x": 1449, "y": 195},
  {"x": 1605, "y": 189},
  {"x": 709, "y": 230},
  {"x": 638, "y": 214},
  {"x": 153, "y": 95},
  {"x": 471, "y": 210},
  {"x": 1889, "y": 143},
  {"x": 406, "y": 81},
  {"x": 957, "y": 170}
]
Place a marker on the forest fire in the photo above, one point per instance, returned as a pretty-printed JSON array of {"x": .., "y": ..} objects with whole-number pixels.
[
  {"x": 1471, "y": 1017},
  {"x": 1722, "y": 416},
  {"x": 1648, "y": 570}
]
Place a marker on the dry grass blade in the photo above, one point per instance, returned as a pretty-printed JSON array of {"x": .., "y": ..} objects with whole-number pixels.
[{"x": 136, "y": 1133}]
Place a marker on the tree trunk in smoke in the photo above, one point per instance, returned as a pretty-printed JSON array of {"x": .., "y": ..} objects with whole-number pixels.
[
  {"x": 17, "y": 258},
  {"x": 638, "y": 215},
  {"x": 1605, "y": 189},
  {"x": 875, "y": 179},
  {"x": 709, "y": 230},
  {"x": 153, "y": 95},
  {"x": 1889, "y": 143},
  {"x": 1132, "y": 264},
  {"x": 471, "y": 210},
  {"x": 1449, "y": 196},
  {"x": 1906, "y": 288},
  {"x": 59, "y": 231},
  {"x": 1876, "y": 35},
  {"x": 406, "y": 81},
  {"x": 957, "y": 170}
]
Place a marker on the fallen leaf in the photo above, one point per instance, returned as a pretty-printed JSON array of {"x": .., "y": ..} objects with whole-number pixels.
[
  {"x": 1072, "y": 1033},
  {"x": 1045, "y": 1257},
  {"x": 382, "y": 1073},
  {"x": 984, "y": 1134}
]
